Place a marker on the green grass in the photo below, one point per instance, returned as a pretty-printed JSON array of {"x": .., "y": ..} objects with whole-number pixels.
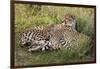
[
  {"x": 75, "y": 54},
  {"x": 49, "y": 57},
  {"x": 27, "y": 16}
]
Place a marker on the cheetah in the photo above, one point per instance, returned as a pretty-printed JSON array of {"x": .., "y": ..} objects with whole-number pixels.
[
  {"x": 63, "y": 35},
  {"x": 34, "y": 39}
]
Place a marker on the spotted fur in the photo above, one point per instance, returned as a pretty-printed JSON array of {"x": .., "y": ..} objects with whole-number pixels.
[{"x": 51, "y": 37}]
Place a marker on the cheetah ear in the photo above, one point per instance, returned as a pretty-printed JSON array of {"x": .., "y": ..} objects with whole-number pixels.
[{"x": 73, "y": 16}]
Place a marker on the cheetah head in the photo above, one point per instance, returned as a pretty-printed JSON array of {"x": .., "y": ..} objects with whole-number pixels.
[{"x": 70, "y": 21}]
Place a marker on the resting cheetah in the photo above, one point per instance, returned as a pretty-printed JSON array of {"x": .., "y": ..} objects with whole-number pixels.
[
  {"x": 34, "y": 39},
  {"x": 65, "y": 34},
  {"x": 66, "y": 38},
  {"x": 53, "y": 37}
]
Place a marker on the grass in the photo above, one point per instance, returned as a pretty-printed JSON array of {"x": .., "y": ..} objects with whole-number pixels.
[
  {"x": 74, "y": 55},
  {"x": 27, "y": 16}
]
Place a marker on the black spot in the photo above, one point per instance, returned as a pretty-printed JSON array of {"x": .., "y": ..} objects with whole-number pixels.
[{"x": 28, "y": 44}]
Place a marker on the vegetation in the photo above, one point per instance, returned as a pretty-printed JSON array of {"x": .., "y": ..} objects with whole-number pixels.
[{"x": 27, "y": 16}]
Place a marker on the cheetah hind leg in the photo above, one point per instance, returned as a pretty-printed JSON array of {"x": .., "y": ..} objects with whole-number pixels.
[{"x": 66, "y": 44}]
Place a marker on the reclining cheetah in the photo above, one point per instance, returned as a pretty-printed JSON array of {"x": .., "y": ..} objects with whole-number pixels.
[{"x": 53, "y": 37}]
